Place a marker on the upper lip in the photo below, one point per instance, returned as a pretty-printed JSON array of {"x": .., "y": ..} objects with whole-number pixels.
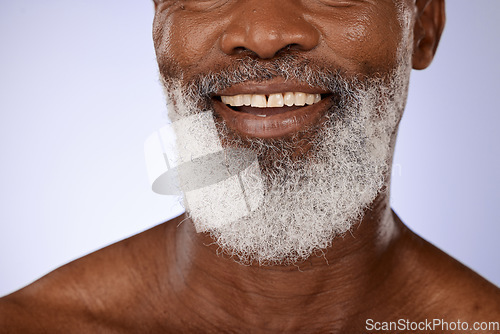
[{"x": 272, "y": 86}]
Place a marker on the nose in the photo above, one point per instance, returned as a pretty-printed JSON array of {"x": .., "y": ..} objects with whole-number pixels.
[{"x": 266, "y": 27}]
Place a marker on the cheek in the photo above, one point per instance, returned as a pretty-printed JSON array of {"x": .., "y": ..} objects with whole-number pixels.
[
  {"x": 188, "y": 42},
  {"x": 364, "y": 45},
  {"x": 162, "y": 38}
]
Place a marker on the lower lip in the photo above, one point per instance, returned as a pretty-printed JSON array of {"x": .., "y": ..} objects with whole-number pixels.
[{"x": 274, "y": 126}]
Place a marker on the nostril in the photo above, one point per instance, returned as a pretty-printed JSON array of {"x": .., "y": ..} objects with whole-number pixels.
[
  {"x": 289, "y": 47},
  {"x": 239, "y": 49},
  {"x": 242, "y": 51}
]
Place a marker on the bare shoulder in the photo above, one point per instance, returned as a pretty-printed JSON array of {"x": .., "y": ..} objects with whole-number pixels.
[
  {"x": 96, "y": 293},
  {"x": 445, "y": 288}
]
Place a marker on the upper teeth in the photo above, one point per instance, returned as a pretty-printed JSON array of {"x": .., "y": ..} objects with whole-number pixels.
[{"x": 273, "y": 100}]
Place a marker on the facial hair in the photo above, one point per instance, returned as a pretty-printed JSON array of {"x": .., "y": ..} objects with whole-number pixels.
[{"x": 308, "y": 200}]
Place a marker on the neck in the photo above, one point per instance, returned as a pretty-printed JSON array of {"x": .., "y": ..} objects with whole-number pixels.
[{"x": 337, "y": 283}]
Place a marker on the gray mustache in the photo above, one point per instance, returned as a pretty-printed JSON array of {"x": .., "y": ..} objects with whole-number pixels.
[{"x": 288, "y": 67}]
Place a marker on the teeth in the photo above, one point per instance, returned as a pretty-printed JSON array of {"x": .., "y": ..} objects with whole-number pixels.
[
  {"x": 300, "y": 99},
  {"x": 227, "y": 99},
  {"x": 258, "y": 101},
  {"x": 275, "y": 100},
  {"x": 247, "y": 99},
  {"x": 309, "y": 99},
  {"x": 237, "y": 101},
  {"x": 271, "y": 101},
  {"x": 289, "y": 99}
]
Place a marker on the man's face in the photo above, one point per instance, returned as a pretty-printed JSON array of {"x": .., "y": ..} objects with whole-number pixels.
[
  {"x": 252, "y": 64},
  {"x": 357, "y": 39}
]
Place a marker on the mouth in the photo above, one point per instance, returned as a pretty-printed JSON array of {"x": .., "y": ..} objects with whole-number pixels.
[{"x": 271, "y": 110}]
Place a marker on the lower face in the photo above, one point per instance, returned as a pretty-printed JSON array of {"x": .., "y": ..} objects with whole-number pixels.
[
  {"x": 323, "y": 152},
  {"x": 304, "y": 200}
]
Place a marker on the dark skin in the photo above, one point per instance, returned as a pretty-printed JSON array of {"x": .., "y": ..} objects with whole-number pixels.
[{"x": 171, "y": 279}]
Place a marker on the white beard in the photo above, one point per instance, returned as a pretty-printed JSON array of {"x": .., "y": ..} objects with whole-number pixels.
[{"x": 305, "y": 204}]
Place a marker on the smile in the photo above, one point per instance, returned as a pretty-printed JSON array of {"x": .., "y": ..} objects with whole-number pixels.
[
  {"x": 271, "y": 110},
  {"x": 276, "y": 100}
]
